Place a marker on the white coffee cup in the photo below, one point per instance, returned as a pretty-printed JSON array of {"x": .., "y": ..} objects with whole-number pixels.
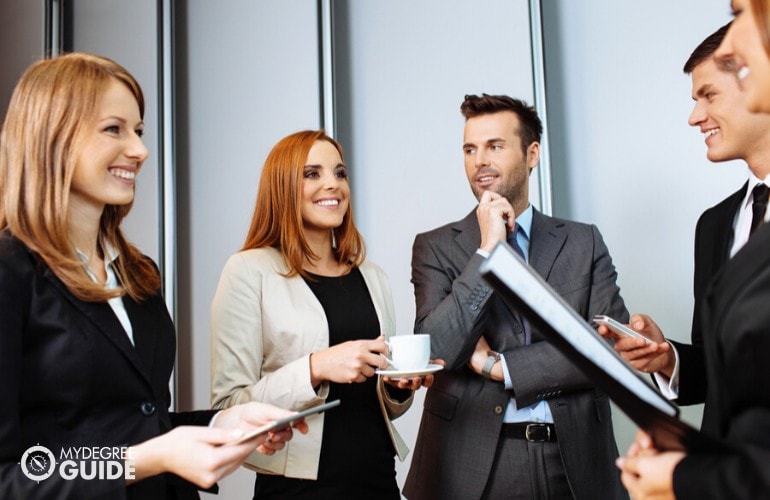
[{"x": 409, "y": 352}]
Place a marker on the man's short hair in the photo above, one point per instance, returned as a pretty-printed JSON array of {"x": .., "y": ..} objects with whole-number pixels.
[
  {"x": 531, "y": 127},
  {"x": 706, "y": 49}
]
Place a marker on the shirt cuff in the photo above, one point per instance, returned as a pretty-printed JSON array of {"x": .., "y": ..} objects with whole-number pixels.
[
  {"x": 483, "y": 253},
  {"x": 506, "y": 375},
  {"x": 669, "y": 387},
  {"x": 214, "y": 418}
]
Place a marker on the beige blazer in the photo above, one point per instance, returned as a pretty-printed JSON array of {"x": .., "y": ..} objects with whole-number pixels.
[{"x": 263, "y": 328}]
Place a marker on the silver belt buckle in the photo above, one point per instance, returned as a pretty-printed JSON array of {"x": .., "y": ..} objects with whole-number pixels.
[{"x": 532, "y": 439}]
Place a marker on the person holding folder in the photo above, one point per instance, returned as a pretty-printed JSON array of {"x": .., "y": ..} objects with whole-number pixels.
[
  {"x": 736, "y": 335},
  {"x": 732, "y": 133}
]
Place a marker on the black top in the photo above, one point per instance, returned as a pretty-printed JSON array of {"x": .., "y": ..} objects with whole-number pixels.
[{"x": 356, "y": 452}]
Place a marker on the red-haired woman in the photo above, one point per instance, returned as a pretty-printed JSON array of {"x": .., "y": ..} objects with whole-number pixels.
[{"x": 299, "y": 317}]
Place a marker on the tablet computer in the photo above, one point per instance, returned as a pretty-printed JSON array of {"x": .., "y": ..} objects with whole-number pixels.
[{"x": 284, "y": 422}]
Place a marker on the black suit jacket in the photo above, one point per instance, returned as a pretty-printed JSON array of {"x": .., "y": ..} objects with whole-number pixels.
[
  {"x": 713, "y": 240},
  {"x": 70, "y": 377},
  {"x": 736, "y": 341},
  {"x": 463, "y": 412}
]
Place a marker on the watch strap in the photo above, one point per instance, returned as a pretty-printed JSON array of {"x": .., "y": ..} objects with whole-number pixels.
[{"x": 492, "y": 358}]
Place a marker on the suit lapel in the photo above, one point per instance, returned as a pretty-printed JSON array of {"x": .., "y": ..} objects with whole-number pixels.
[
  {"x": 468, "y": 239},
  {"x": 545, "y": 243},
  {"x": 468, "y": 235},
  {"x": 100, "y": 314},
  {"x": 726, "y": 223},
  {"x": 144, "y": 327}
]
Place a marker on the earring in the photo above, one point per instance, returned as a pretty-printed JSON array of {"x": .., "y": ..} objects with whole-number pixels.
[{"x": 334, "y": 240}]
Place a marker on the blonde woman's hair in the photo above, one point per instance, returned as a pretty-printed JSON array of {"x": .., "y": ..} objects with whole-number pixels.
[{"x": 48, "y": 119}]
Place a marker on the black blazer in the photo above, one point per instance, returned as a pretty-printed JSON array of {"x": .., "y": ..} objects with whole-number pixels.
[
  {"x": 713, "y": 239},
  {"x": 736, "y": 341},
  {"x": 70, "y": 377},
  {"x": 463, "y": 412}
]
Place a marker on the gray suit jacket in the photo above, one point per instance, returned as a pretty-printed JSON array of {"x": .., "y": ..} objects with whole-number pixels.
[{"x": 463, "y": 412}]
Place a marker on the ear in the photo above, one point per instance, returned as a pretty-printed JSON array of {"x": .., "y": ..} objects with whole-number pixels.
[{"x": 533, "y": 155}]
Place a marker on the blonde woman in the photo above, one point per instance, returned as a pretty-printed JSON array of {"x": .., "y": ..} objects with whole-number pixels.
[{"x": 86, "y": 343}]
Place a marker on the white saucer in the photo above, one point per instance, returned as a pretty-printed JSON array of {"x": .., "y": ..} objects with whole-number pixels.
[{"x": 431, "y": 368}]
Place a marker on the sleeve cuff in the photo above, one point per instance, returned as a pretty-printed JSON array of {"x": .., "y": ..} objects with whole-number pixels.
[
  {"x": 213, "y": 420},
  {"x": 506, "y": 374},
  {"x": 669, "y": 387}
]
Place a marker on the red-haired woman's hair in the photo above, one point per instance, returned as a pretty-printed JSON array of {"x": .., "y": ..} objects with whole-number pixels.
[
  {"x": 277, "y": 218},
  {"x": 761, "y": 11}
]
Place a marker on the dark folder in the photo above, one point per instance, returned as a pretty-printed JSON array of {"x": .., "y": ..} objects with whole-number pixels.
[{"x": 522, "y": 289}]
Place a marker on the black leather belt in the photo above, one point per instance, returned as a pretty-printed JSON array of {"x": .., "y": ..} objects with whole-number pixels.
[{"x": 532, "y": 432}]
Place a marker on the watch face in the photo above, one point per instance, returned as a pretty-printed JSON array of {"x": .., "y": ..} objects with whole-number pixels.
[{"x": 38, "y": 463}]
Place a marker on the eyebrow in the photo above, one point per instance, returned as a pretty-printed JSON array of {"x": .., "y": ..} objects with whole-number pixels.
[
  {"x": 703, "y": 89},
  {"x": 488, "y": 141},
  {"x": 318, "y": 167},
  {"x": 120, "y": 119}
]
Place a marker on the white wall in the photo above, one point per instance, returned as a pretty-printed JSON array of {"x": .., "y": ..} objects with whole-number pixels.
[
  {"x": 624, "y": 156},
  {"x": 247, "y": 72},
  {"x": 406, "y": 68},
  {"x": 94, "y": 30},
  {"x": 247, "y": 75},
  {"x": 21, "y": 43}
]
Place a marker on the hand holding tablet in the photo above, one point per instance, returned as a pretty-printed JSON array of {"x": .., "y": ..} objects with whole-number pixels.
[{"x": 284, "y": 422}]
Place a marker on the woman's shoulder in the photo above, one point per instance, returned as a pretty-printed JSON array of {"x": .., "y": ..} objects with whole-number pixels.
[
  {"x": 256, "y": 259},
  {"x": 371, "y": 269},
  {"x": 13, "y": 250},
  {"x": 17, "y": 262}
]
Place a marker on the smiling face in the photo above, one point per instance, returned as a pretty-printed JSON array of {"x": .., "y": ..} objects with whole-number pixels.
[
  {"x": 731, "y": 131},
  {"x": 111, "y": 156},
  {"x": 494, "y": 159},
  {"x": 743, "y": 44},
  {"x": 325, "y": 189}
]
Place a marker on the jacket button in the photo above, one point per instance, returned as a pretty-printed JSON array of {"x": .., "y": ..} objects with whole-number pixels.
[
  {"x": 498, "y": 410},
  {"x": 147, "y": 408}
]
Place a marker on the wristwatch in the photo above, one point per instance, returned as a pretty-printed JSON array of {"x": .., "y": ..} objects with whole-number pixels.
[{"x": 492, "y": 358}]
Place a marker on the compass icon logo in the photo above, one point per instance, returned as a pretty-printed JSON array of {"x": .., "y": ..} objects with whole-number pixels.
[{"x": 38, "y": 463}]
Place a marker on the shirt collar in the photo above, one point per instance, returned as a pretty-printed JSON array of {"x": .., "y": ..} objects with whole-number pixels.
[
  {"x": 524, "y": 220},
  {"x": 110, "y": 254},
  {"x": 748, "y": 198}
]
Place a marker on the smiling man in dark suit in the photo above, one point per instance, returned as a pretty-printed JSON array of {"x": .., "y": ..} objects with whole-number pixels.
[
  {"x": 509, "y": 417},
  {"x": 731, "y": 133}
]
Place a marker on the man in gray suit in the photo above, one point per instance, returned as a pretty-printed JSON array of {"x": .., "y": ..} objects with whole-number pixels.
[{"x": 509, "y": 417}]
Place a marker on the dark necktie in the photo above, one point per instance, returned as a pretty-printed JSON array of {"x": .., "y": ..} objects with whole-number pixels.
[
  {"x": 516, "y": 248},
  {"x": 758, "y": 208}
]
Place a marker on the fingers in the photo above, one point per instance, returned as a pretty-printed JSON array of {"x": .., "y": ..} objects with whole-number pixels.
[
  {"x": 482, "y": 344},
  {"x": 216, "y": 436},
  {"x": 636, "y": 347},
  {"x": 377, "y": 345},
  {"x": 496, "y": 218},
  {"x": 301, "y": 426},
  {"x": 644, "y": 440}
]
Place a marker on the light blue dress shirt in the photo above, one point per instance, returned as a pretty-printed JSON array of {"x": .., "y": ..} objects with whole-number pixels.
[{"x": 538, "y": 412}]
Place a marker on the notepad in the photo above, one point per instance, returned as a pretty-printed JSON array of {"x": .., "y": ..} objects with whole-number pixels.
[{"x": 522, "y": 289}]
